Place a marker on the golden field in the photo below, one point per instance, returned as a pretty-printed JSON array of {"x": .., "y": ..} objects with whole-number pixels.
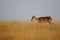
[{"x": 26, "y": 30}]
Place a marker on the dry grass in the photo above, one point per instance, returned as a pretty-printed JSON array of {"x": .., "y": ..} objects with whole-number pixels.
[{"x": 25, "y": 30}]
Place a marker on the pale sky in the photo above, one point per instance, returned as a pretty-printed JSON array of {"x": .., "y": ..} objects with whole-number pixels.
[{"x": 25, "y": 9}]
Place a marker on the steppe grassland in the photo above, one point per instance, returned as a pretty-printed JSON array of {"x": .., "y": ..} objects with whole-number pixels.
[{"x": 27, "y": 30}]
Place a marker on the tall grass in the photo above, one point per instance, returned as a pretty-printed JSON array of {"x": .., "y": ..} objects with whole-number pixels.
[{"x": 26, "y": 30}]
